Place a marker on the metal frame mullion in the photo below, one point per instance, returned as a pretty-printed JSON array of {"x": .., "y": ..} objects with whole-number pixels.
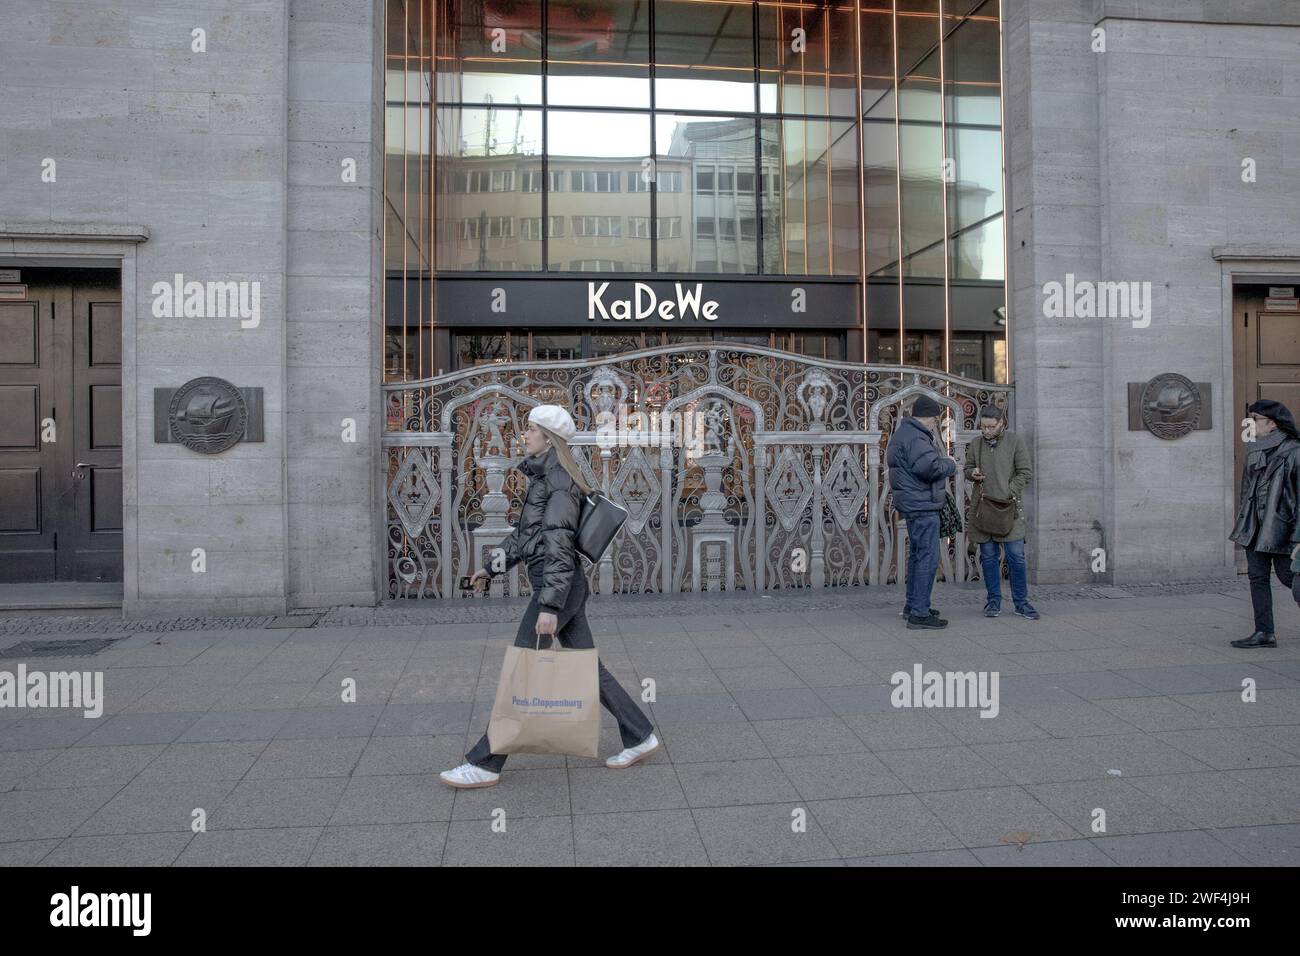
[
  {"x": 758, "y": 145},
  {"x": 546, "y": 146},
  {"x": 898, "y": 184},
  {"x": 947, "y": 253},
  {"x": 862, "y": 180},
  {"x": 654, "y": 142}
]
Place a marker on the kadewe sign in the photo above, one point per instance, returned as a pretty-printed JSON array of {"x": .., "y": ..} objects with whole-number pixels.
[{"x": 687, "y": 303}]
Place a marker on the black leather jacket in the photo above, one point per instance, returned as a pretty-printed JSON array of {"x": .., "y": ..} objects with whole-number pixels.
[
  {"x": 548, "y": 526},
  {"x": 1266, "y": 518}
]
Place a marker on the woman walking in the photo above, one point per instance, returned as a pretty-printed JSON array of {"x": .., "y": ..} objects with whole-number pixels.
[{"x": 544, "y": 539}]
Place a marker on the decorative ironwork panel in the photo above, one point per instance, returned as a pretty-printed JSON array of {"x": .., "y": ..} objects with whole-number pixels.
[{"x": 741, "y": 468}]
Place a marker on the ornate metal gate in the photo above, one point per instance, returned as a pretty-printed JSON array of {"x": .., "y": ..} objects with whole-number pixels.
[{"x": 742, "y": 468}]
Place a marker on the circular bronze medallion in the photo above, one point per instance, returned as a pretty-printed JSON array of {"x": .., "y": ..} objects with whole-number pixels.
[
  {"x": 1171, "y": 405},
  {"x": 207, "y": 415}
]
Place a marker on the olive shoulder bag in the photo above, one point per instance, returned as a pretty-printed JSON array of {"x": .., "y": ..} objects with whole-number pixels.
[{"x": 993, "y": 516}]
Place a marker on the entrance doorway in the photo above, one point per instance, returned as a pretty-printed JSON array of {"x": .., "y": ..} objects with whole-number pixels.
[
  {"x": 61, "y": 426},
  {"x": 1266, "y": 363}
]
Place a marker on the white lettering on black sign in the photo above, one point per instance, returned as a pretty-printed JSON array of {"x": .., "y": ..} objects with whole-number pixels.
[{"x": 687, "y": 303}]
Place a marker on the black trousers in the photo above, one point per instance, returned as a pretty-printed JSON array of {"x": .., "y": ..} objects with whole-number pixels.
[
  {"x": 572, "y": 630},
  {"x": 1259, "y": 564}
]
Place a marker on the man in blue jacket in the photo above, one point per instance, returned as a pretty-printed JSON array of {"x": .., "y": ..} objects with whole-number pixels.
[{"x": 919, "y": 469}]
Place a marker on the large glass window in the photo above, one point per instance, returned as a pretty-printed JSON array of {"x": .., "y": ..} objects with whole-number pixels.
[
  {"x": 489, "y": 51},
  {"x": 474, "y": 350},
  {"x": 974, "y": 141},
  {"x": 481, "y": 167},
  {"x": 932, "y": 186},
  {"x": 811, "y": 222},
  {"x": 704, "y": 55},
  {"x": 806, "y": 62},
  {"x": 519, "y": 345},
  {"x": 704, "y": 137},
  {"x": 602, "y": 344},
  {"x": 598, "y": 53},
  {"x": 714, "y": 156},
  {"x": 597, "y": 152},
  {"x": 827, "y": 345},
  {"x": 408, "y": 188},
  {"x": 556, "y": 347}
]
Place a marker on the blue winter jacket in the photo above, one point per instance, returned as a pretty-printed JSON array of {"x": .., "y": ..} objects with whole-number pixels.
[{"x": 918, "y": 473}]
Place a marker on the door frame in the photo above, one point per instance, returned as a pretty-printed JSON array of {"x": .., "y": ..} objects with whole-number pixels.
[
  {"x": 97, "y": 245},
  {"x": 1242, "y": 265}
]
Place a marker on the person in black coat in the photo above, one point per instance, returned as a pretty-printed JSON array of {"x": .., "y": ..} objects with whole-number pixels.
[
  {"x": 1267, "y": 512},
  {"x": 919, "y": 469},
  {"x": 545, "y": 540}
]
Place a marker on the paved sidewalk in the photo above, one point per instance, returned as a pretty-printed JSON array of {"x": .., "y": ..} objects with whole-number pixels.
[{"x": 1127, "y": 704}]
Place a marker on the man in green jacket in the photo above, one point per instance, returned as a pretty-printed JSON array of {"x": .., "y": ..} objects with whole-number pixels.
[{"x": 998, "y": 463}]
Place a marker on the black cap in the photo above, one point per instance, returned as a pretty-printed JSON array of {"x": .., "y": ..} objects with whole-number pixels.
[
  {"x": 992, "y": 411},
  {"x": 1277, "y": 412},
  {"x": 925, "y": 407}
]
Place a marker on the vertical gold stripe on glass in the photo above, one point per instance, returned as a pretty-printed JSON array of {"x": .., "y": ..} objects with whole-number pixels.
[
  {"x": 862, "y": 179},
  {"x": 383, "y": 183},
  {"x": 1006, "y": 221},
  {"x": 406, "y": 213},
  {"x": 433, "y": 164},
  {"x": 948, "y": 162},
  {"x": 898, "y": 183},
  {"x": 417, "y": 233}
]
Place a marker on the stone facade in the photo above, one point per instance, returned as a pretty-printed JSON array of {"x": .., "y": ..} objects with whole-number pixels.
[
  {"x": 1126, "y": 165},
  {"x": 231, "y": 159}
]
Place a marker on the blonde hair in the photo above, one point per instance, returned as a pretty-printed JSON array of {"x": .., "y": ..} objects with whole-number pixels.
[{"x": 565, "y": 454}]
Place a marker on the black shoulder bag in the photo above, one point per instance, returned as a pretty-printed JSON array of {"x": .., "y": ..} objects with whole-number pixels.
[{"x": 600, "y": 521}]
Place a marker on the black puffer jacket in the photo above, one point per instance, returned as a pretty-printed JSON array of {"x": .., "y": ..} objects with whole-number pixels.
[
  {"x": 1268, "y": 507},
  {"x": 548, "y": 526}
]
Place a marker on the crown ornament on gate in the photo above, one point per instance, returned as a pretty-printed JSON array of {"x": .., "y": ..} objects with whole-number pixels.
[{"x": 816, "y": 393}]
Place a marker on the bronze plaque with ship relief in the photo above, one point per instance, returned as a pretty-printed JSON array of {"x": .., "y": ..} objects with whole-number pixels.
[{"x": 208, "y": 415}]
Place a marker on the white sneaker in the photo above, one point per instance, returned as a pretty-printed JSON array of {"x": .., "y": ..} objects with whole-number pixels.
[
  {"x": 632, "y": 754},
  {"x": 467, "y": 777}
]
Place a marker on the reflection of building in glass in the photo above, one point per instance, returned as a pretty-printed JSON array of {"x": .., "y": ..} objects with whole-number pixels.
[
  {"x": 677, "y": 137},
  {"x": 718, "y": 162}
]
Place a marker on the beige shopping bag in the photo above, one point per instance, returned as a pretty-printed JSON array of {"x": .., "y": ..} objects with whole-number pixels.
[{"x": 548, "y": 702}]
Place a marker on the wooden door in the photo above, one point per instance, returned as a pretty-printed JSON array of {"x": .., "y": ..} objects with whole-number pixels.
[{"x": 61, "y": 428}]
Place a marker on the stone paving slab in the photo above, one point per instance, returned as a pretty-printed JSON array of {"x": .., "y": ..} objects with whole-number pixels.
[{"x": 782, "y": 743}]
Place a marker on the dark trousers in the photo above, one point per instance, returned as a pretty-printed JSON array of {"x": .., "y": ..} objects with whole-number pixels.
[
  {"x": 922, "y": 560},
  {"x": 1258, "y": 566},
  {"x": 573, "y": 631}
]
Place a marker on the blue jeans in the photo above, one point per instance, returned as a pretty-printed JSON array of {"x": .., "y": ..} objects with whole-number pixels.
[
  {"x": 922, "y": 559},
  {"x": 992, "y": 565}
]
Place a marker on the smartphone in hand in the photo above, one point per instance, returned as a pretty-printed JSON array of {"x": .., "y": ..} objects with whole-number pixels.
[{"x": 464, "y": 583}]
